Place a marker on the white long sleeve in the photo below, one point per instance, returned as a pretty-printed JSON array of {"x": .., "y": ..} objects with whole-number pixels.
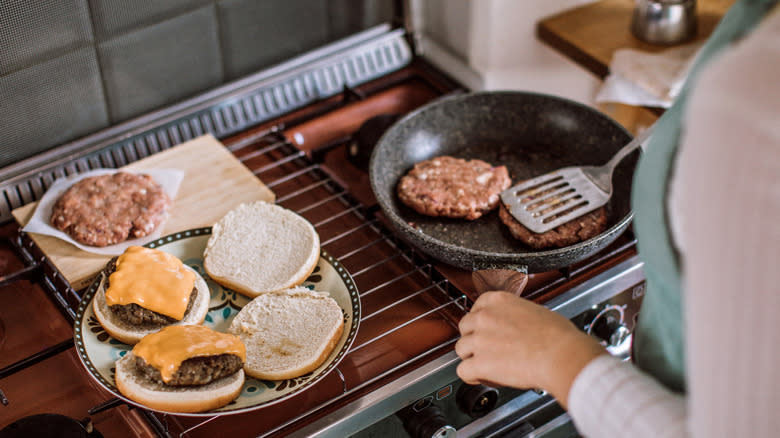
[{"x": 725, "y": 204}]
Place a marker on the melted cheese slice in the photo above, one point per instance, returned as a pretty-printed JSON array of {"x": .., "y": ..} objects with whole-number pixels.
[
  {"x": 153, "y": 279},
  {"x": 168, "y": 348}
]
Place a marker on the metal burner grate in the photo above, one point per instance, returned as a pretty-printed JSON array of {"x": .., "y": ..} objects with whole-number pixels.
[{"x": 393, "y": 278}]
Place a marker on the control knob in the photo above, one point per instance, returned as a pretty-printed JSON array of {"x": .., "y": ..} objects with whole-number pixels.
[
  {"x": 608, "y": 326},
  {"x": 428, "y": 422},
  {"x": 476, "y": 400}
]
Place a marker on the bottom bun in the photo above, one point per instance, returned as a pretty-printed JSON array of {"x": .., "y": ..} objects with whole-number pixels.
[
  {"x": 131, "y": 334},
  {"x": 288, "y": 333},
  {"x": 136, "y": 386}
]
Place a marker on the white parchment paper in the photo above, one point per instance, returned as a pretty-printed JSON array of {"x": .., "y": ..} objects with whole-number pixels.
[
  {"x": 649, "y": 79},
  {"x": 169, "y": 179}
]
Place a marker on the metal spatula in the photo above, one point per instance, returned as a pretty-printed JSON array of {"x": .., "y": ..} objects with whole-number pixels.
[{"x": 542, "y": 203}]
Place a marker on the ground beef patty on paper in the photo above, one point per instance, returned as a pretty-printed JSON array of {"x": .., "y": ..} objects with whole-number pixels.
[{"x": 108, "y": 209}]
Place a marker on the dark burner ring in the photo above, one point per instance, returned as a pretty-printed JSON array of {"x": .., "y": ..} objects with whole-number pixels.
[
  {"x": 364, "y": 140},
  {"x": 48, "y": 426}
]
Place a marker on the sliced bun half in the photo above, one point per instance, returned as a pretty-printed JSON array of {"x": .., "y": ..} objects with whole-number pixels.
[
  {"x": 133, "y": 384},
  {"x": 288, "y": 333},
  {"x": 131, "y": 334},
  {"x": 261, "y": 247}
]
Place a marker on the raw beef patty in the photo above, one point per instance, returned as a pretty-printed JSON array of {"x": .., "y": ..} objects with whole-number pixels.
[
  {"x": 453, "y": 187},
  {"x": 108, "y": 209}
]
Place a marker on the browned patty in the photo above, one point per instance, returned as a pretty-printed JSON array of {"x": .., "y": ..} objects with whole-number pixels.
[
  {"x": 108, "y": 209},
  {"x": 196, "y": 370},
  {"x": 453, "y": 187},
  {"x": 577, "y": 230}
]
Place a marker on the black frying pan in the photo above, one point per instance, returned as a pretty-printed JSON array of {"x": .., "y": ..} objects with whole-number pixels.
[{"x": 529, "y": 133}]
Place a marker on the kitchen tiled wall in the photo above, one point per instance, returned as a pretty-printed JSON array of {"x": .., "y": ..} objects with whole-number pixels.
[
  {"x": 112, "y": 18},
  {"x": 69, "y": 68},
  {"x": 166, "y": 61},
  {"x": 258, "y": 33}
]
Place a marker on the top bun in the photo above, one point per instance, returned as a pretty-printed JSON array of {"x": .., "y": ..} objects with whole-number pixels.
[{"x": 261, "y": 247}]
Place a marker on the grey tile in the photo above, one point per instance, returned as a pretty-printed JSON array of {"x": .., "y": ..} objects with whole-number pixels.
[
  {"x": 347, "y": 17},
  {"x": 161, "y": 63},
  {"x": 49, "y": 104},
  {"x": 257, "y": 34},
  {"x": 113, "y": 17},
  {"x": 39, "y": 30}
]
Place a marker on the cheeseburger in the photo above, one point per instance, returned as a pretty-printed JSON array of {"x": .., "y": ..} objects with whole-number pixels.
[
  {"x": 184, "y": 368},
  {"x": 144, "y": 290}
]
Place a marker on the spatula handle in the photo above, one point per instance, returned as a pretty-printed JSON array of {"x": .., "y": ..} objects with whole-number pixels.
[
  {"x": 499, "y": 279},
  {"x": 630, "y": 147}
]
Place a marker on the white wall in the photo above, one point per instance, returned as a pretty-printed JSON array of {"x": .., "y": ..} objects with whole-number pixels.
[{"x": 492, "y": 44}]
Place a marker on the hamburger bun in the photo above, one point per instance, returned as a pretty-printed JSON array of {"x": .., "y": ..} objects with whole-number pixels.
[
  {"x": 128, "y": 333},
  {"x": 260, "y": 247},
  {"x": 133, "y": 384},
  {"x": 136, "y": 385},
  {"x": 288, "y": 333}
]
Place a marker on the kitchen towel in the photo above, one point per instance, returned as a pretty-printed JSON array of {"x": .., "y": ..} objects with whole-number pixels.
[{"x": 647, "y": 79}]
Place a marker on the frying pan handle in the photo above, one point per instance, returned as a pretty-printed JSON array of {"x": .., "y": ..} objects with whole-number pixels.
[{"x": 509, "y": 280}]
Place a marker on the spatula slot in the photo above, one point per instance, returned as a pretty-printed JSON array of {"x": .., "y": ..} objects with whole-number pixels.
[
  {"x": 565, "y": 212},
  {"x": 539, "y": 193},
  {"x": 558, "y": 204},
  {"x": 554, "y": 197},
  {"x": 528, "y": 194}
]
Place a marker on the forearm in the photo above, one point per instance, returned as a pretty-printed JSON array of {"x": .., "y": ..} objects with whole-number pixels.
[{"x": 612, "y": 398}]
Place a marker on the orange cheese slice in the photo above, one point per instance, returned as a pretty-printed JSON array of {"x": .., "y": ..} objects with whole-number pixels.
[
  {"x": 168, "y": 348},
  {"x": 153, "y": 279}
]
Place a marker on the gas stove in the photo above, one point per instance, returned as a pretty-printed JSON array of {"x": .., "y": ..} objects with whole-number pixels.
[{"x": 305, "y": 129}]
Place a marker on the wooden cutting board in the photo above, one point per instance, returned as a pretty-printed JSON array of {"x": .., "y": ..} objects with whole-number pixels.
[{"x": 214, "y": 182}]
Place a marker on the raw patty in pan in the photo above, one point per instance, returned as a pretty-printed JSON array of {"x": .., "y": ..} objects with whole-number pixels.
[
  {"x": 108, "y": 209},
  {"x": 453, "y": 187},
  {"x": 577, "y": 230}
]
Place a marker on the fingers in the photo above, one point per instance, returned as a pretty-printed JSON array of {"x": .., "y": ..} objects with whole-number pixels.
[
  {"x": 485, "y": 310},
  {"x": 467, "y": 323},
  {"x": 466, "y": 373},
  {"x": 464, "y": 348},
  {"x": 475, "y": 372},
  {"x": 495, "y": 298}
]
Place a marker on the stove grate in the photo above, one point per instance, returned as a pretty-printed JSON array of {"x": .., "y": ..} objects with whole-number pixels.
[{"x": 349, "y": 231}]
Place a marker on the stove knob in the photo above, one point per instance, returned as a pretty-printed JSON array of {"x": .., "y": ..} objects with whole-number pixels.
[
  {"x": 611, "y": 331},
  {"x": 476, "y": 400},
  {"x": 605, "y": 322},
  {"x": 428, "y": 422},
  {"x": 608, "y": 326}
]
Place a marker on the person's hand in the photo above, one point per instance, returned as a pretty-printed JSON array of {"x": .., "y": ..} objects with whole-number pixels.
[{"x": 509, "y": 341}]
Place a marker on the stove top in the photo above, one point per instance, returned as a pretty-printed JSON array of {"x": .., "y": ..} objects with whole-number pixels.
[{"x": 312, "y": 160}]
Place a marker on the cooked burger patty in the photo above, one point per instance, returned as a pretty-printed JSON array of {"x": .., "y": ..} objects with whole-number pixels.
[
  {"x": 137, "y": 315},
  {"x": 453, "y": 187},
  {"x": 577, "y": 230},
  {"x": 107, "y": 209},
  {"x": 196, "y": 370}
]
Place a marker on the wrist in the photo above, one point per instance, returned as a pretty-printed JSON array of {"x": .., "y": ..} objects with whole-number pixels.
[{"x": 571, "y": 356}]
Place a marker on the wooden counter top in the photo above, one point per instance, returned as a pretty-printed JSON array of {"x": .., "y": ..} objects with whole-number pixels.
[{"x": 590, "y": 34}]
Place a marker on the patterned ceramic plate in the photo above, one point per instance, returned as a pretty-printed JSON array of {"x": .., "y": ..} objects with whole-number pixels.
[{"x": 98, "y": 351}]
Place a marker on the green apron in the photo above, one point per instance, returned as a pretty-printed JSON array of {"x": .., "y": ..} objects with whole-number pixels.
[{"x": 658, "y": 338}]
